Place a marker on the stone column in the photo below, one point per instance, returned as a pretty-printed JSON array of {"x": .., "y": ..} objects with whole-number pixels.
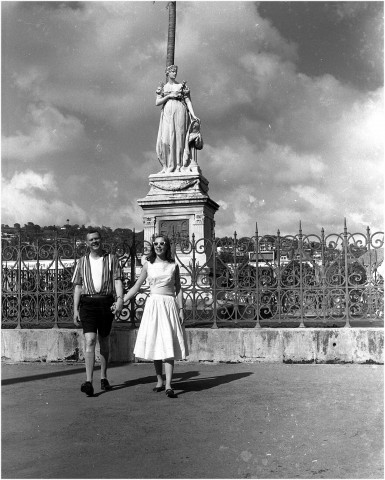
[
  {"x": 198, "y": 223},
  {"x": 149, "y": 228}
]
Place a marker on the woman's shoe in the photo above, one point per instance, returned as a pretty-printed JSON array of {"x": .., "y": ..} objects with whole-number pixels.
[
  {"x": 170, "y": 393},
  {"x": 158, "y": 389}
]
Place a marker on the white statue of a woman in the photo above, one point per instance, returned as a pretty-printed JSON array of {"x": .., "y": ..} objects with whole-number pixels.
[{"x": 177, "y": 120}]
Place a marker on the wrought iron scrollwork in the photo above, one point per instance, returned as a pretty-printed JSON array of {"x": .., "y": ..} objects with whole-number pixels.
[{"x": 268, "y": 280}]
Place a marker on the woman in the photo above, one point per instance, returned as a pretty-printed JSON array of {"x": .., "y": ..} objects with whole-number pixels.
[
  {"x": 172, "y": 144},
  {"x": 160, "y": 336}
]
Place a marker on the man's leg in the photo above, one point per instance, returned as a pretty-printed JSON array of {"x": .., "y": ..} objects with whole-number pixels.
[
  {"x": 104, "y": 343},
  {"x": 89, "y": 354},
  {"x": 104, "y": 330},
  {"x": 90, "y": 342}
]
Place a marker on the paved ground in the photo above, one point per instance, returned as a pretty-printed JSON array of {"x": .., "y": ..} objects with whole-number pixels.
[{"x": 229, "y": 421}]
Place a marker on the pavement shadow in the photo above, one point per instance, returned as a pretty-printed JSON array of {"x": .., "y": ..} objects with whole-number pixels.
[
  {"x": 183, "y": 382},
  {"x": 61, "y": 373},
  {"x": 42, "y": 376},
  {"x": 198, "y": 384},
  {"x": 145, "y": 381}
]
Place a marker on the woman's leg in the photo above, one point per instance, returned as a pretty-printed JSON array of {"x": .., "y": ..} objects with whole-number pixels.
[
  {"x": 158, "y": 364},
  {"x": 169, "y": 369}
]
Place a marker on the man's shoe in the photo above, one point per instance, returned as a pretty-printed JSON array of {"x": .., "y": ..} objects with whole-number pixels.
[
  {"x": 87, "y": 388},
  {"x": 104, "y": 385}
]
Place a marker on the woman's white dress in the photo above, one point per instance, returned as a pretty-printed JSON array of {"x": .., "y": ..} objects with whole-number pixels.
[{"x": 160, "y": 334}]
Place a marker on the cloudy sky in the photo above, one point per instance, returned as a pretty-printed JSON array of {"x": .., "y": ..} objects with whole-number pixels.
[{"x": 290, "y": 95}]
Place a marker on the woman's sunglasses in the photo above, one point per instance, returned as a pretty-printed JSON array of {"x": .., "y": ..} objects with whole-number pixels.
[{"x": 158, "y": 243}]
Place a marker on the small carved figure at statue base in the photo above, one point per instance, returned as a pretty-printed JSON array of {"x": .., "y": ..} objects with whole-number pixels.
[
  {"x": 194, "y": 142},
  {"x": 179, "y": 128}
]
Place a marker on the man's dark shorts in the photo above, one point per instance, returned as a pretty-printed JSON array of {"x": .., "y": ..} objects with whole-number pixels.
[{"x": 95, "y": 314}]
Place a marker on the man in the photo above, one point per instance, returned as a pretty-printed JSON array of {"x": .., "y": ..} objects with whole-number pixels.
[{"x": 96, "y": 276}]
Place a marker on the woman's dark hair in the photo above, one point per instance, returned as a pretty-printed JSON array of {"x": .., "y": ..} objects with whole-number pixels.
[{"x": 152, "y": 256}]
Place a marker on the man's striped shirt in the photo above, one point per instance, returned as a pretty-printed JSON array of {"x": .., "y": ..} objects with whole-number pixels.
[{"x": 111, "y": 271}]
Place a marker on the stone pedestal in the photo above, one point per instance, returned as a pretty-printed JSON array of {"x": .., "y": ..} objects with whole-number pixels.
[{"x": 178, "y": 204}]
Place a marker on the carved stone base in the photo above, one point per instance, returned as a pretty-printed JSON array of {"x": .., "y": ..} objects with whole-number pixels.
[
  {"x": 179, "y": 201},
  {"x": 177, "y": 184}
]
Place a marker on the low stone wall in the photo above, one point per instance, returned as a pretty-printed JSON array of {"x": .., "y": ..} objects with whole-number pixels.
[
  {"x": 287, "y": 345},
  {"x": 61, "y": 345}
]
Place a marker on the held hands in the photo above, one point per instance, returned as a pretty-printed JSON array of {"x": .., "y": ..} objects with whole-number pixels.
[{"x": 117, "y": 307}]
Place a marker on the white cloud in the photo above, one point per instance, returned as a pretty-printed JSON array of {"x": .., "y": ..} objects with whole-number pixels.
[
  {"x": 128, "y": 215},
  {"x": 286, "y": 220},
  {"x": 29, "y": 196},
  {"x": 223, "y": 204},
  {"x": 31, "y": 181},
  {"x": 347, "y": 10},
  {"x": 111, "y": 188},
  {"x": 49, "y": 131},
  {"x": 316, "y": 199},
  {"x": 30, "y": 79}
]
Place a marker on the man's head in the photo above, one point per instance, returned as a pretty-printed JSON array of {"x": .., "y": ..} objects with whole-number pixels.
[{"x": 94, "y": 240}]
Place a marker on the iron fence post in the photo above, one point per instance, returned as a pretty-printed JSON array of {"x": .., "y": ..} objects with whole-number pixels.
[
  {"x": 71, "y": 293},
  {"x": 278, "y": 276},
  {"x": 323, "y": 275},
  {"x": 19, "y": 265},
  {"x": 236, "y": 282},
  {"x": 56, "y": 258},
  {"x": 214, "y": 252},
  {"x": 346, "y": 263},
  {"x": 133, "y": 278},
  {"x": 193, "y": 278},
  {"x": 37, "y": 286},
  {"x": 301, "y": 279},
  {"x": 256, "y": 253},
  {"x": 370, "y": 274}
]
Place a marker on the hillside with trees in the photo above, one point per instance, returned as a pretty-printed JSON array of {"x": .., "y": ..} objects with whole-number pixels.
[{"x": 31, "y": 233}]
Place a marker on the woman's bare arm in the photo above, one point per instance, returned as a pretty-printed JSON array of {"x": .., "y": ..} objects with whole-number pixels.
[{"x": 135, "y": 289}]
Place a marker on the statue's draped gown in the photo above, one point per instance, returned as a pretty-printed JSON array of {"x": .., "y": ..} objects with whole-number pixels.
[{"x": 173, "y": 127}]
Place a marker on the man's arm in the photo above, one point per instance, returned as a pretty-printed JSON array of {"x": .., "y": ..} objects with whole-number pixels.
[
  {"x": 118, "y": 275},
  {"x": 118, "y": 306},
  {"x": 77, "y": 293}
]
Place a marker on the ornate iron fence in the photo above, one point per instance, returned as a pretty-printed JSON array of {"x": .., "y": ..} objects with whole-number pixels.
[
  {"x": 270, "y": 280},
  {"x": 36, "y": 280}
]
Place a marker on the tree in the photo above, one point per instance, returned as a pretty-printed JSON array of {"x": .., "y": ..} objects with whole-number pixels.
[{"x": 122, "y": 233}]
